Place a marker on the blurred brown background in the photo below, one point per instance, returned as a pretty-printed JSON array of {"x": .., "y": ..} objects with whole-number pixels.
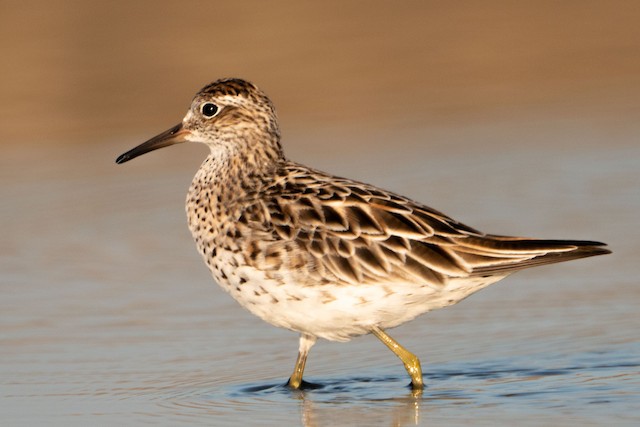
[
  {"x": 515, "y": 117},
  {"x": 90, "y": 71}
]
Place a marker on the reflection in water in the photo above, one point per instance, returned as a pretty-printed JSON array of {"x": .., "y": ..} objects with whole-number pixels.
[
  {"x": 403, "y": 411},
  {"x": 349, "y": 401}
]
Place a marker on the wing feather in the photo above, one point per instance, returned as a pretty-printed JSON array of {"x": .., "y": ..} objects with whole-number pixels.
[{"x": 360, "y": 234}]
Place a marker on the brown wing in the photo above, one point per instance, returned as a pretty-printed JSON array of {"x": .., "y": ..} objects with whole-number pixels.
[{"x": 360, "y": 234}]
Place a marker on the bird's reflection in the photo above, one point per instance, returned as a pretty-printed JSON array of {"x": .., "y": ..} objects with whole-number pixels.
[{"x": 402, "y": 410}]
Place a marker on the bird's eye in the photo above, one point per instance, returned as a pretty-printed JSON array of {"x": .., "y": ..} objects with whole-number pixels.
[{"x": 209, "y": 109}]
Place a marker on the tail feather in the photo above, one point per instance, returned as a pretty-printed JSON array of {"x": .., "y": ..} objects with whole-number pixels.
[{"x": 491, "y": 254}]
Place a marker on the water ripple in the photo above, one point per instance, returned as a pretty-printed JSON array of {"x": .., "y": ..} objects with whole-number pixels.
[{"x": 513, "y": 385}]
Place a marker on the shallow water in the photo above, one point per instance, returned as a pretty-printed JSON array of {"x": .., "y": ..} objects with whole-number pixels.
[
  {"x": 109, "y": 317},
  {"x": 514, "y": 118}
]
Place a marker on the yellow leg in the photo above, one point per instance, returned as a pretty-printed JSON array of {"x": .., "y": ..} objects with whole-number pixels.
[
  {"x": 410, "y": 360},
  {"x": 306, "y": 342}
]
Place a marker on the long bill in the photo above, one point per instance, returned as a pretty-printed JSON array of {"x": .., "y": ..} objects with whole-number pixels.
[{"x": 172, "y": 136}]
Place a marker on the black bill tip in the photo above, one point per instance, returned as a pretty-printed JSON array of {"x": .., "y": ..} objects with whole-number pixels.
[{"x": 123, "y": 158}]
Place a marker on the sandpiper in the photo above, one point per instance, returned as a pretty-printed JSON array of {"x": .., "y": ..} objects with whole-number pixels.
[{"x": 325, "y": 256}]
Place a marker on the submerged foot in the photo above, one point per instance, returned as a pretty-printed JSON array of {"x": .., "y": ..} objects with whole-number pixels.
[{"x": 302, "y": 385}]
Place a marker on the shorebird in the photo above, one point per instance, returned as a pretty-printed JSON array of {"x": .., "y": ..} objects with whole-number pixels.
[{"x": 325, "y": 256}]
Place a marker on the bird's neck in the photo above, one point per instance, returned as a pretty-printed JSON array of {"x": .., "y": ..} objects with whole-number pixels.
[{"x": 227, "y": 178}]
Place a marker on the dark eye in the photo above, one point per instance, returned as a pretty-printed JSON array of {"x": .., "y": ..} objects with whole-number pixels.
[{"x": 209, "y": 109}]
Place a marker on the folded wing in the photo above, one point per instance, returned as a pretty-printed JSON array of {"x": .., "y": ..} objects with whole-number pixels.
[{"x": 361, "y": 234}]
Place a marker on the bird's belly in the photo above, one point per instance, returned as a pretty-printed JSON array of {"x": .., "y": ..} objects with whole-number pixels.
[{"x": 330, "y": 311}]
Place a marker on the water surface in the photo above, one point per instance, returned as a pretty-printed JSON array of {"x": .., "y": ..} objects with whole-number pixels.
[{"x": 109, "y": 317}]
